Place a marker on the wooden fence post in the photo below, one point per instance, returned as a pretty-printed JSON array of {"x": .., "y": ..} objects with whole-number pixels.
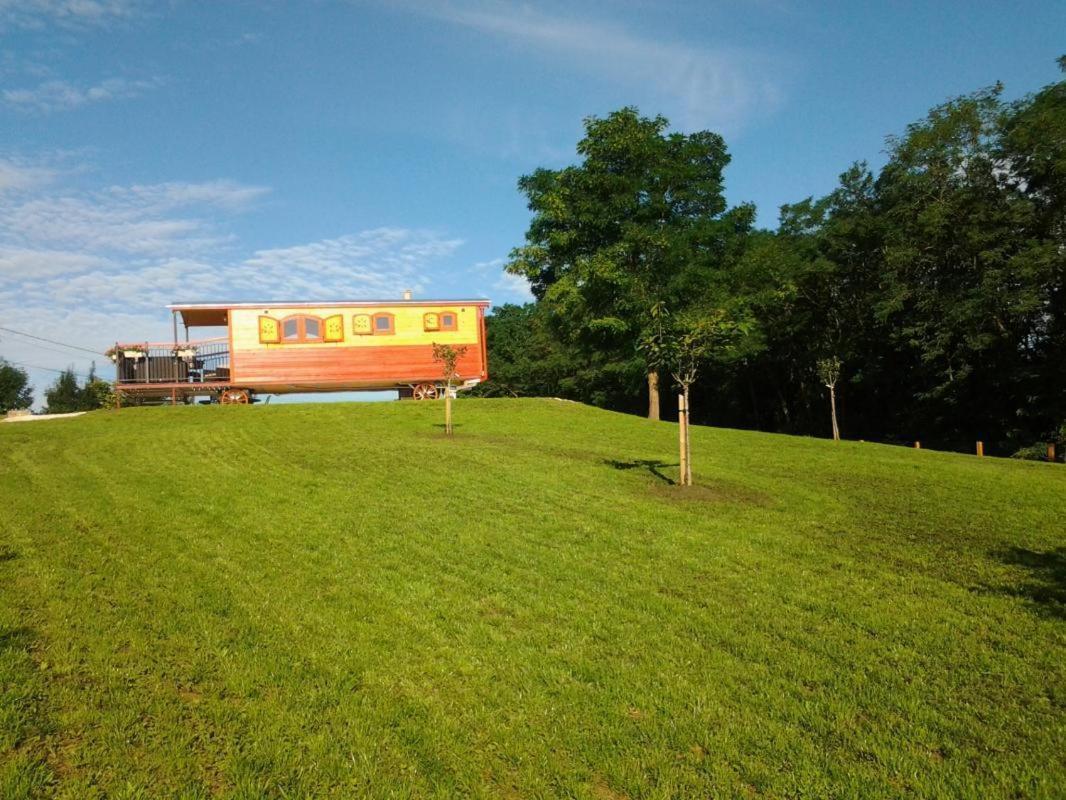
[
  {"x": 1051, "y": 452},
  {"x": 980, "y": 448},
  {"x": 917, "y": 445}
]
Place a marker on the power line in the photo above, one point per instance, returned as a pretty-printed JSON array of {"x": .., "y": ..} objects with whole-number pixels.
[
  {"x": 48, "y": 369},
  {"x": 54, "y": 350},
  {"x": 50, "y": 341}
]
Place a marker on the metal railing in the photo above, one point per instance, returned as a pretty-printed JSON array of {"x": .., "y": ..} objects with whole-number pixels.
[{"x": 204, "y": 361}]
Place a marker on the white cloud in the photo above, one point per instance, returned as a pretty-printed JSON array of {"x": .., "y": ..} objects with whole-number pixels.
[
  {"x": 134, "y": 220},
  {"x": 506, "y": 288},
  {"x": 514, "y": 288},
  {"x": 720, "y": 87},
  {"x": 58, "y": 95},
  {"x": 90, "y": 267},
  {"x": 376, "y": 263},
  {"x": 16, "y": 177},
  {"x": 222, "y": 194},
  {"x": 67, "y": 13},
  {"x": 15, "y": 263}
]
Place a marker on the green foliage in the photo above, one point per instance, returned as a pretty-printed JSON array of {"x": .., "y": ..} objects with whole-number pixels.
[
  {"x": 448, "y": 356},
  {"x": 829, "y": 370},
  {"x": 98, "y": 393},
  {"x": 526, "y": 359},
  {"x": 681, "y": 345},
  {"x": 15, "y": 389},
  {"x": 1033, "y": 452},
  {"x": 641, "y": 220},
  {"x": 66, "y": 395},
  {"x": 322, "y": 601},
  {"x": 940, "y": 280}
]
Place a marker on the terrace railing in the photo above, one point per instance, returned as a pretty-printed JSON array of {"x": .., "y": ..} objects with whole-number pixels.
[{"x": 204, "y": 361}]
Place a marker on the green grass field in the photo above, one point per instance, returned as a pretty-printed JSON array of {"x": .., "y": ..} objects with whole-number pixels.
[{"x": 338, "y": 601}]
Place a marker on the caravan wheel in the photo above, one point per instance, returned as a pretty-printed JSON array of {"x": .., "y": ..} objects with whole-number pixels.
[
  {"x": 425, "y": 391},
  {"x": 234, "y": 397}
]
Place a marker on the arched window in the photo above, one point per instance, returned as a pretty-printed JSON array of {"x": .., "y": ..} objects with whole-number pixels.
[
  {"x": 362, "y": 325},
  {"x": 301, "y": 328}
]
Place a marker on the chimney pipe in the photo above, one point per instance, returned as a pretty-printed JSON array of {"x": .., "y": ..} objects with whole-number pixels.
[{"x": 406, "y": 294}]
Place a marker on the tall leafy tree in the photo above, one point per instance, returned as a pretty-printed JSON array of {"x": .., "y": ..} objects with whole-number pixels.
[
  {"x": 15, "y": 389},
  {"x": 963, "y": 291},
  {"x": 65, "y": 395},
  {"x": 528, "y": 359},
  {"x": 1033, "y": 147},
  {"x": 640, "y": 221}
]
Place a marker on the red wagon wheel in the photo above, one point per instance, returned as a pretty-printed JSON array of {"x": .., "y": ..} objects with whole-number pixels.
[
  {"x": 234, "y": 397},
  {"x": 425, "y": 391}
]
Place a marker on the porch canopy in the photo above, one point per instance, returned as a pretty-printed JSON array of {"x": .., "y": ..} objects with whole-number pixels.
[{"x": 202, "y": 315}]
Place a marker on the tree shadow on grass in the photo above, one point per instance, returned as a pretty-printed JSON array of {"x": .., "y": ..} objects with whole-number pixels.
[
  {"x": 1046, "y": 587},
  {"x": 653, "y": 466},
  {"x": 16, "y": 637}
]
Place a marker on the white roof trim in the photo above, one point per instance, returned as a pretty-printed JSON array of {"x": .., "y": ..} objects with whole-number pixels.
[{"x": 325, "y": 304}]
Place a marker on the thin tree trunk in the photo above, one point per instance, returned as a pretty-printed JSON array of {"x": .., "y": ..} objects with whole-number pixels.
[
  {"x": 688, "y": 442},
  {"x": 833, "y": 409},
  {"x": 448, "y": 411},
  {"x": 682, "y": 434},
  {"x": 653, "y": 395}
]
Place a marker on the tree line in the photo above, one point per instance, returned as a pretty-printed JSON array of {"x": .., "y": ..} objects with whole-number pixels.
[
  {"x": 65, "y": 395},
  {"x": 926, "y": 297}
]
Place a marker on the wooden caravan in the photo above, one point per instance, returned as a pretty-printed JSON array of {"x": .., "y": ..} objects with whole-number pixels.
[{"x": 285, "y": 347}]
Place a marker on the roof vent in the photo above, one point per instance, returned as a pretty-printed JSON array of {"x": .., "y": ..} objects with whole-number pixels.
[{"x": 406, "y": 294}]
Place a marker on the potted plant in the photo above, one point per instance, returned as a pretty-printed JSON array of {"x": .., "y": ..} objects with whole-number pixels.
[
  {"x": 134, "y": 351},
  {"x": 186, "y": 352}
]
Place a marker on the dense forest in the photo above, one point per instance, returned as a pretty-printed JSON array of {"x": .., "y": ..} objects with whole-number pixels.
[{"x": 934, "y": 284}]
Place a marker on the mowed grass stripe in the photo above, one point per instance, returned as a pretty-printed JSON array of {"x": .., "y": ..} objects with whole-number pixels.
[{"x": 337, "y": 601}]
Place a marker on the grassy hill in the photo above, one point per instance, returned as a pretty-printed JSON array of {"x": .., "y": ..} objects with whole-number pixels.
[{"x": 337, "y": 601}]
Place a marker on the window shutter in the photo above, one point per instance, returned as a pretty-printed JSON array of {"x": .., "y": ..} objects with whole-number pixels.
[
  {"x": 431, "y": 321},
  {"x": 269, "y": 331},
  {"x": 361, "y": 325},
  {"x": 334, "y": 329}
]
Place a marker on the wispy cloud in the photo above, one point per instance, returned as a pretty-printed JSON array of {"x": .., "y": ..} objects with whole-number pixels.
[
  {"x": 132, "y": 249},
  {"x": 142, "y": 220},
  {"x": 374, "y": 263},
  {"x": 22, "y": 262},
  {"x": 704, "y": 86},
  {"x": 490, "y": 275},
  {"x": 16, "y": 177},
  {"x": 69, "y": 13},
  {"x": 90, "y": 266},
  {"x": 58, "y": 95}
]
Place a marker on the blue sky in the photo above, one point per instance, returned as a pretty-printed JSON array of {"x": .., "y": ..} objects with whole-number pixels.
[{"x": 152, "y": 152}]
